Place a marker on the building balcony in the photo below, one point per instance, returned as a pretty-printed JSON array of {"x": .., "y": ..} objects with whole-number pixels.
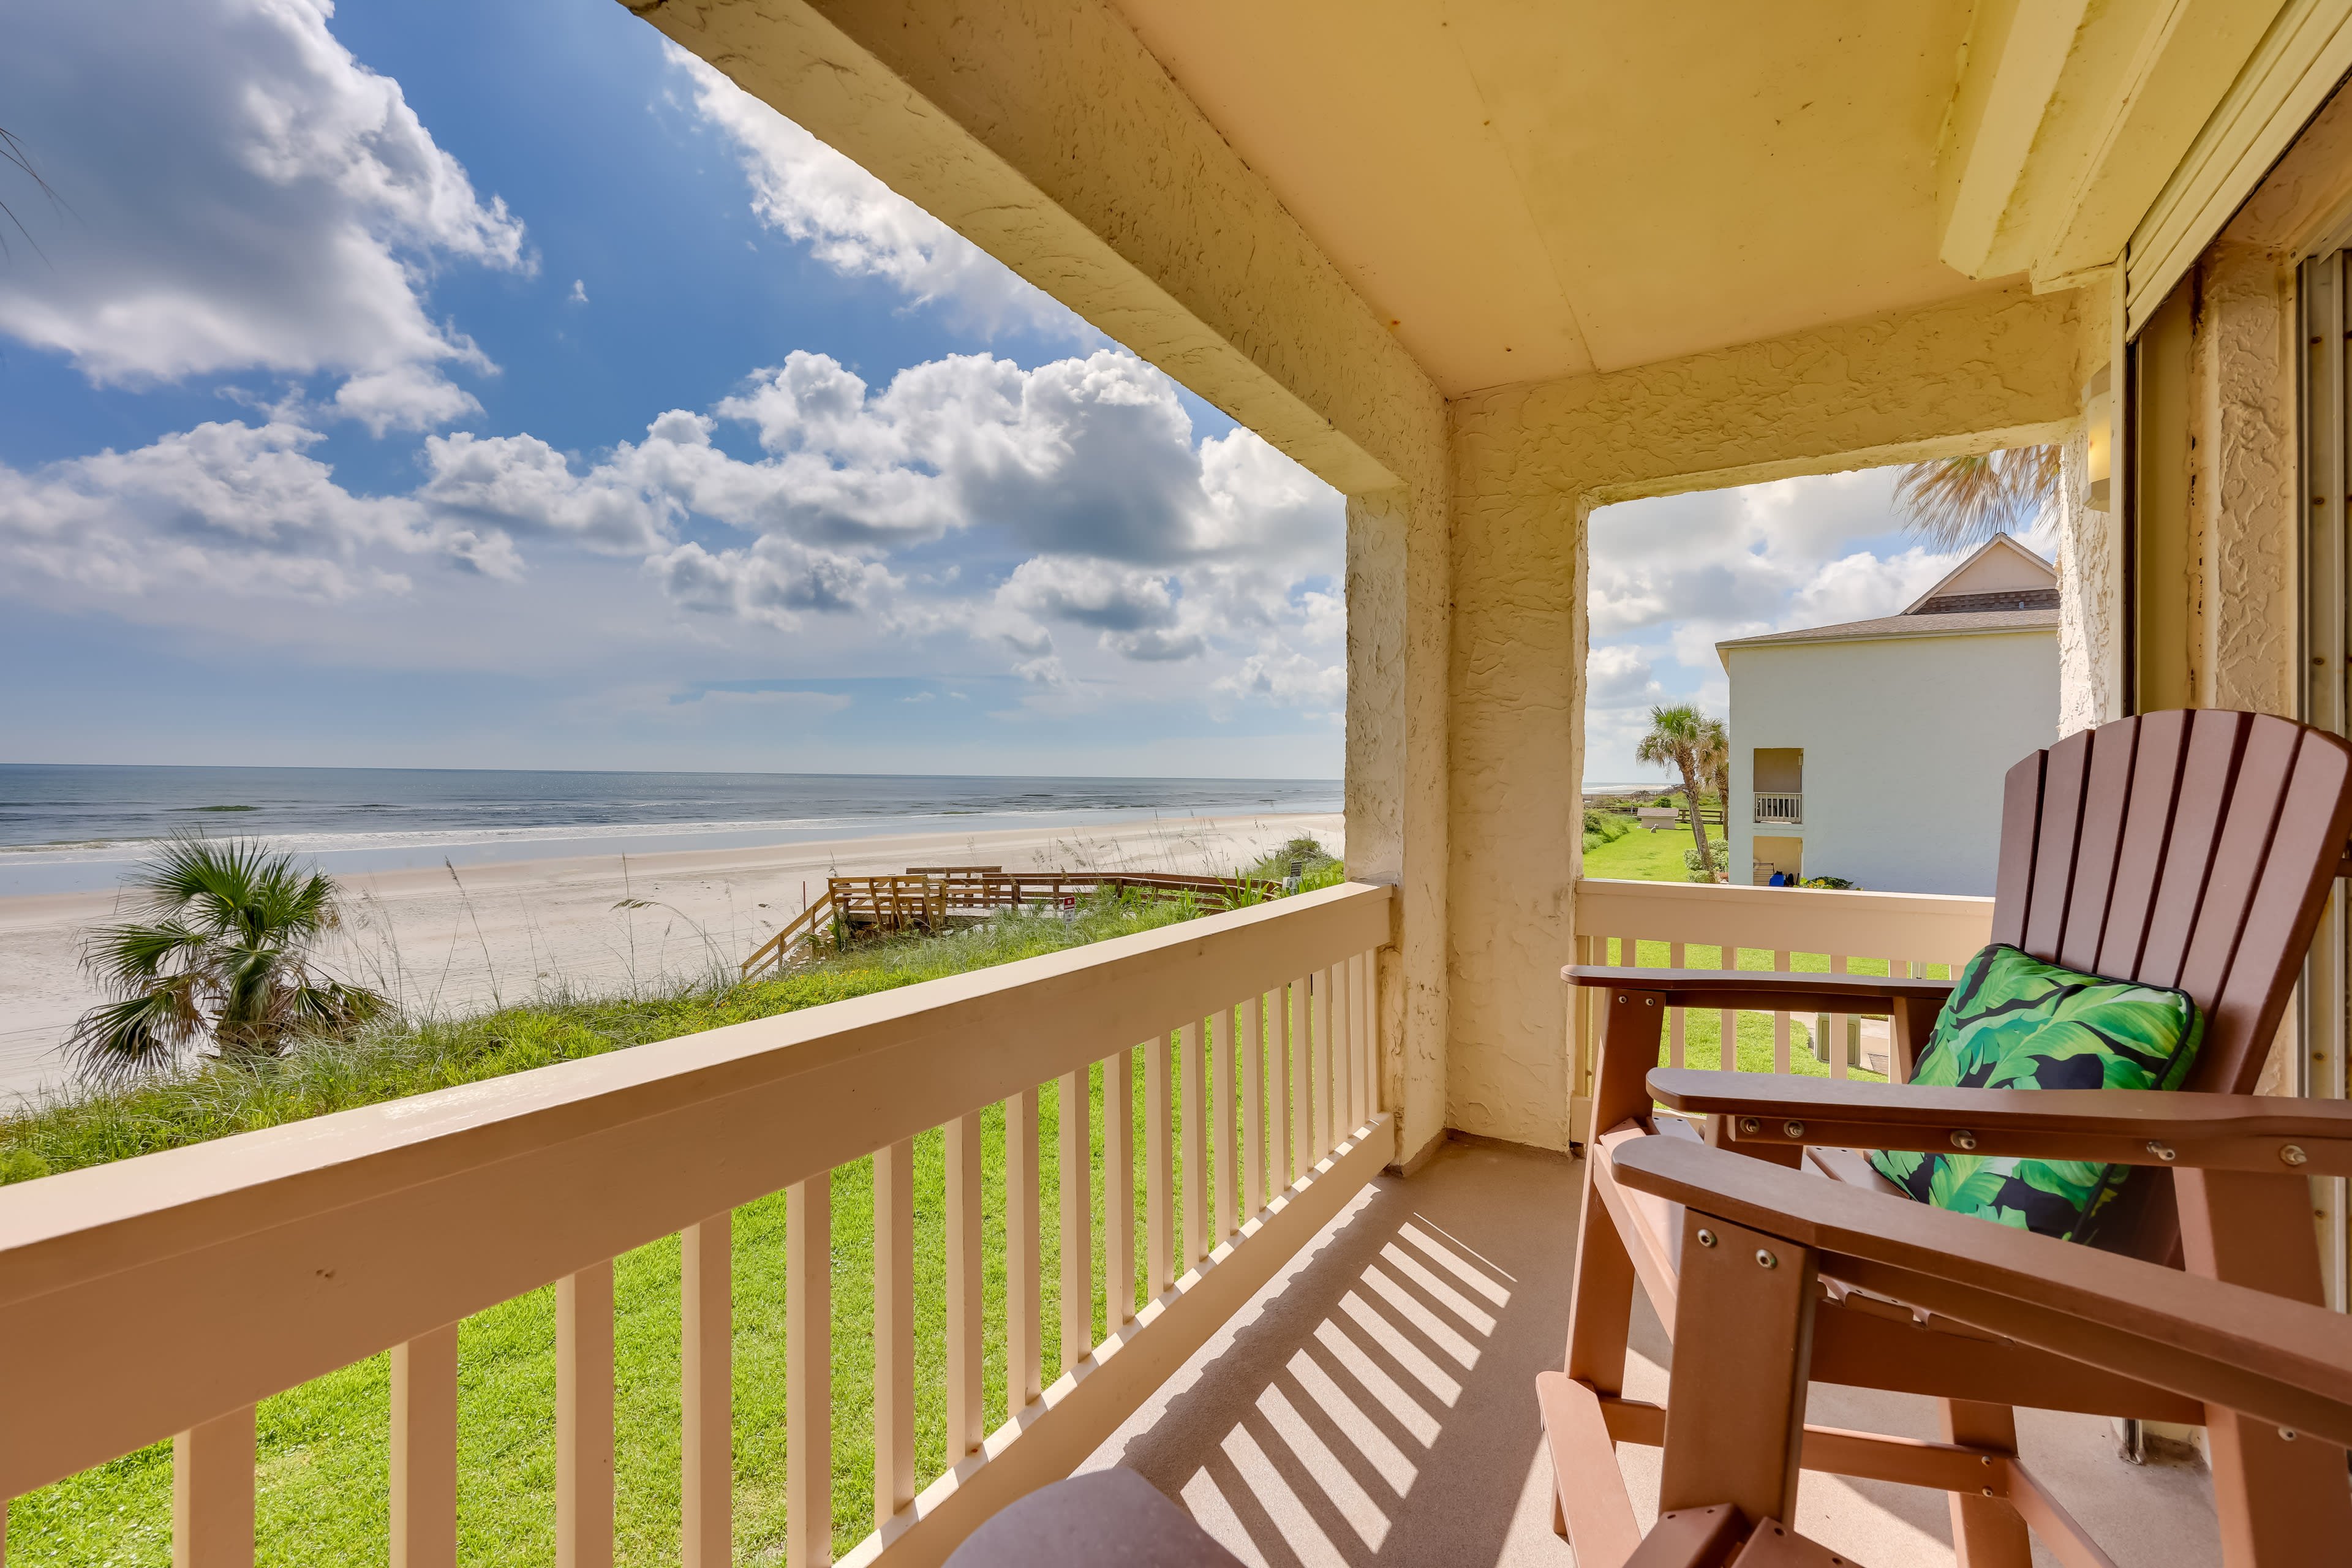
[
  {"x": 1785, "y": 808},
  {"x": 1191, "y": 1255}
]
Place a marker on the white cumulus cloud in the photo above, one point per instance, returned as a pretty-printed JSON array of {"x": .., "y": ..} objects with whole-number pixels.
[
  {"x": 859, "y": 227},
  {"x": 239, "y": 194}
]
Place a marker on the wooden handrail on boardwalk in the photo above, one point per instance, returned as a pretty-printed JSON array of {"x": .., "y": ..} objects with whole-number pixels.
[{"x": 935, "y": 898}]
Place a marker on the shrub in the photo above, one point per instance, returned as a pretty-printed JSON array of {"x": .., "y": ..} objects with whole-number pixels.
[
  {"x": 1697, "y": 867},
  {"x": 1603, "y": 827}
]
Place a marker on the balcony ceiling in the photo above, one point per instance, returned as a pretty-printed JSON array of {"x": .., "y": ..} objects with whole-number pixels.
[{"x": 1527, "y": 190}]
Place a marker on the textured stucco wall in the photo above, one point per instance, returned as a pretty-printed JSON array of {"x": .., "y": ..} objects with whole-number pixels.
[
  {"x": 1530, "y": 462},
  {"x": 1398, "y": 582},
  {"x": 2241, "y": 478},
  {"x": 2090, "y": 603}
]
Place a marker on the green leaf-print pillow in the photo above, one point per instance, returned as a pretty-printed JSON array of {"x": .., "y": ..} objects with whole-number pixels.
[{"x": 2014, "y": 1021}]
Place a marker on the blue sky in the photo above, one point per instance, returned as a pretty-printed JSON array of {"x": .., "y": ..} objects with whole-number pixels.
[{"x": 416, "y": 383}]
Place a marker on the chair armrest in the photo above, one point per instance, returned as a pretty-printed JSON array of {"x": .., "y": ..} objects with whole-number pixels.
[
  {"x": 2109, "y": 1126},
  {"x": 2285, "y": 1361},
  {"x": 1769, "y": 990}
]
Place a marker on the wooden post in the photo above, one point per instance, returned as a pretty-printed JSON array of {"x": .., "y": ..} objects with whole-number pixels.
[
  {"x": 425, "y": 1450},
  {"x": 1159, "y": 1167},
  {"x": 211, "y": 1493},
  {"x": 1118, "y": 1190},
  {"x": 583, "y": 1418},
  {"x": 1326, "y": 1113},
  {"x": 1279, "y": 1173},
  {"x": 1255, "y": 1196},
  {"x": 1303, "y": 1153},
  {"x": 967, "y": 1279},
  {"x": 1727, "y": 1048},
  {"x": 1781, "y": 1024},
  {"x": 1193, "y": 1091},
  {"x": 894, "y": 1330},
  {"x": 1024, "y": 1343},
  {"x": 1075, "y": 1152},
  {"x": 1678, "y": 956},
  {"x": 808, "y": 1372},
  {"x": 706, "y": 1407},
  {"x": 1225, "y": 1213}
]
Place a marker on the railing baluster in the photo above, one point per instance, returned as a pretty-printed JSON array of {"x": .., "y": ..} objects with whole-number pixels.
[
  {"x": 425, "y": 1450},
  {"x": 706, "y": 1403},
  {"x": 1225, "y": 1213},
  {"x": 211, "y": 1493},
  {"x": 1343, "y": 1050},
  {"x": 1195, "y": 1091},
  {"x": 1727, "y": 1048},
  {"x": 1367, "y": 1094},
  {"x": 1302, "y": 1048},
  {"x": 1781, "y": 1024},
  {"x": 1118, "y": 1190},
  {"x": 967, "y": 1283},
  {"x": 1280, "y": 1174},
  {"x": 808, "y": 1372},
  {"x": 1325, "y": 993},
  {"x": 583, "y": 1418},
  {"x": 1078, "y": 1220},
  {"x": 1837, "y": 1025},
  {"x": 1159, "y": 1167},
  {"x": 894, "y": 1330},
  {"x": 1255, "y": 1196},
  {"x": 1678, "y": 957},
  {"x": 1024, "y": 1344}
]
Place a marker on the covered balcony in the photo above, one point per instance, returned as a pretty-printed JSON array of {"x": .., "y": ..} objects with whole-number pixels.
[{"x": 1278, "y": 1208}]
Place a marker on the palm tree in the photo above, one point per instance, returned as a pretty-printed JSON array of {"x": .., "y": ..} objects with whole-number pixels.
[
  {"x": 1679, "y": 738},
  {"x": 219, "y": 946},
  {"x": 1955, "y": 504},
  {"x": 1714, "y": 765}
]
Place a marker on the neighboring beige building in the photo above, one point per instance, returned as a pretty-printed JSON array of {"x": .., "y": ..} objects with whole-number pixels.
[{"x": 1873, "y": 751}]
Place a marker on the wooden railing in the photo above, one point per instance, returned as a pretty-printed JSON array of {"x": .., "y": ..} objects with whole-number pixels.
[
  {"x": 1678, "y": 925},
  {"x": 164, "y": 1296}
]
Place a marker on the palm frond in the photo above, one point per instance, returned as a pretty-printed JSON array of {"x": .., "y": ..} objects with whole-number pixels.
[
  {"x": 120, "y": 1040},
  {"x": 1956, "y": 503}
]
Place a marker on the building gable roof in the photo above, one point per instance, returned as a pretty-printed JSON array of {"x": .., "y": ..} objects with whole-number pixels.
[{"x": 2001, "y": 567}]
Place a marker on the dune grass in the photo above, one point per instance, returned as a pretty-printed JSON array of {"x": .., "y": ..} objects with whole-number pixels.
[{"x": 323, "y": 1489}]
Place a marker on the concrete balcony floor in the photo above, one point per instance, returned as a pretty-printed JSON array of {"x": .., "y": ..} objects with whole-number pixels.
[{"x": 1374, "y": 1403}]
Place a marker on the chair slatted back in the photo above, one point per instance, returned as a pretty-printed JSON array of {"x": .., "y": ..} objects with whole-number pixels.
[{"x": 2190, "y": 849}]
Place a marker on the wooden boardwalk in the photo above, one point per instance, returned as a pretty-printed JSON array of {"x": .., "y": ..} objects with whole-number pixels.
[{"x": 936, "y": 899}]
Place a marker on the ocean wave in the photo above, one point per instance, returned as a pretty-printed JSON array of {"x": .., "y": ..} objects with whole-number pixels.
[{"x": 84, "y": 851}]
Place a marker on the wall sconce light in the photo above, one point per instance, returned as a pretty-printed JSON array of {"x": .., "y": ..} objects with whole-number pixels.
[{"x": 2099, "y": 427}]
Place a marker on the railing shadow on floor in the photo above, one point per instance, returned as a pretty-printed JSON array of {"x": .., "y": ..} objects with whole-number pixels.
[{"x": 1378, "y": 1409}]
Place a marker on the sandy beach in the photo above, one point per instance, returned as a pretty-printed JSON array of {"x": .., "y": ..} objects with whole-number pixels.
[{"x": 445, "y": 942}]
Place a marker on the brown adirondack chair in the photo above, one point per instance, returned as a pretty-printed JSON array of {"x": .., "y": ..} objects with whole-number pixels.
[
  {"x": 2187, "y": 848},
  {"x": 1757, "y": 1241}
]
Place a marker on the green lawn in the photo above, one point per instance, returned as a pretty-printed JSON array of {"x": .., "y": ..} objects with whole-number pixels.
[
  {"x": 1642, "y": 856},
  {"x": 323, "y": 1447}
]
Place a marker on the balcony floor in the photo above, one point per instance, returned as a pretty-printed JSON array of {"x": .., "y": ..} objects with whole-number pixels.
[{"x": 1374, "y": 1403}]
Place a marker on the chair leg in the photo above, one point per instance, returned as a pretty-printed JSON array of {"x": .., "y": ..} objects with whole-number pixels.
[
  {"x": 1743, "y": 1349},
  {"x": 1601, "y": 1309},
  {"x": 2282, "y": 1500},
  {"x": 1987, "y": 1532}
]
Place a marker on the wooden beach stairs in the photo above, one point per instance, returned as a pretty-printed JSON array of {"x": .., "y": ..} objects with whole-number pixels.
[{"x": 937, "y": 899}]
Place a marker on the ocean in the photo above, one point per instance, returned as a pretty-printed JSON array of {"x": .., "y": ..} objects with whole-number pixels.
[{"x": 68, "y": 828}]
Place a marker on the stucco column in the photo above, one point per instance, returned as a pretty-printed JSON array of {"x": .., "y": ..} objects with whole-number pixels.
[
  {"x": 2242, "y": 481},
  {"x": 1517, "y": 687},
  {"x": 1399, "y": 583}
]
